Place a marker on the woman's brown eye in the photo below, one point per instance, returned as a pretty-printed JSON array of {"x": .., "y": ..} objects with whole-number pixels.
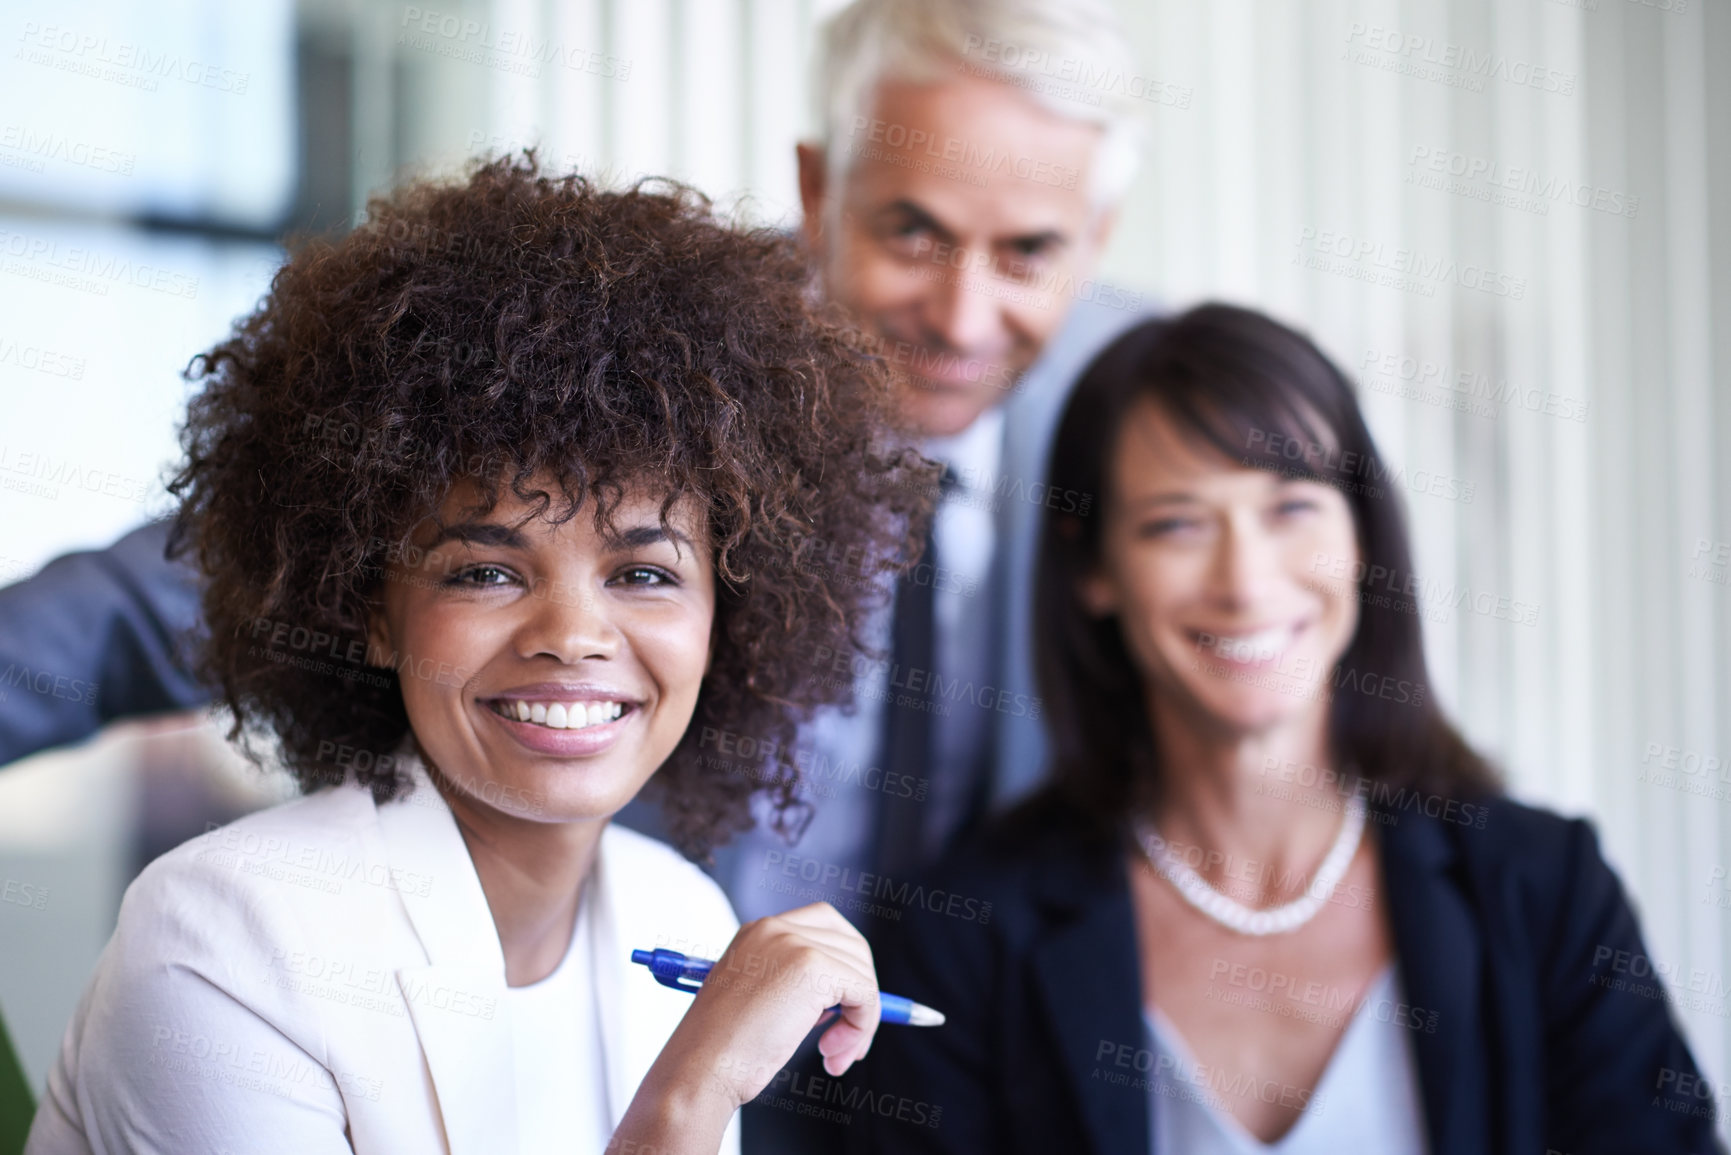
[
  {"x": 642, "y": 575},
  {"x": 479, "y": 575}
]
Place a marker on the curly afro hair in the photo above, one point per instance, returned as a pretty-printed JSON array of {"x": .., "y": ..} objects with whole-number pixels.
[{"x": 515, "y": 326}]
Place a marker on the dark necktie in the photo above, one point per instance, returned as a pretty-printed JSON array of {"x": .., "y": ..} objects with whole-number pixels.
[{"x": 906, "y": 748}]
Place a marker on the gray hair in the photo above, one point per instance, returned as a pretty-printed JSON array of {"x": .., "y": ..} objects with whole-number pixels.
[{"x": 1070, "y": 56}]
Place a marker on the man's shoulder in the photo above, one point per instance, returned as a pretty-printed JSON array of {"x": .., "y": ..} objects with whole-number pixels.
[
  {"x": 1033, "y": 408},
  {"x": 1090, "y": 327}
]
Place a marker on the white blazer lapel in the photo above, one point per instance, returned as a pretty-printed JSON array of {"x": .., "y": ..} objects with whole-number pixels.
[
  {"x": 457, "y": 1000},
  {"x": 633, "y": 1025},
  {"x": 641, "y": 911}
]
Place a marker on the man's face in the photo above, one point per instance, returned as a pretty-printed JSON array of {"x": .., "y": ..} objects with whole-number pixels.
[{"x": 961, "y": 233}]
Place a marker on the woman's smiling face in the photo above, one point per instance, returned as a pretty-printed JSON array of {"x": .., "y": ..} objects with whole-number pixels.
[
  {"x": 1212, "y": 569},
  {"x": 549, "y": 670}
]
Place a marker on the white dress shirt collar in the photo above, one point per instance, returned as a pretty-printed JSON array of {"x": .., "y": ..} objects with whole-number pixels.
[{"x": 974, "y": 452}]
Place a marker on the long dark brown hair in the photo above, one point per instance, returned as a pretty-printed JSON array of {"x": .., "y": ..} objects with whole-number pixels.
[{"x": 1266, "y": 397}]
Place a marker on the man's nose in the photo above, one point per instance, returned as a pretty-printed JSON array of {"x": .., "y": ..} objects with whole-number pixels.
[{"x": 963, "y": 312}]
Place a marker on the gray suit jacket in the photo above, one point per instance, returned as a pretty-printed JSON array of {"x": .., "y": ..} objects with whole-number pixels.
[{"x": 1033, "y": 415}]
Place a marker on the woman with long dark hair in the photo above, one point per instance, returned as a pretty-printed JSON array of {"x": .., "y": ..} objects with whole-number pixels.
[{"x": 1270, "y": 899}]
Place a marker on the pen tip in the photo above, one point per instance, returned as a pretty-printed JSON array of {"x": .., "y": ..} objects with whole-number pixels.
[{"x": 921, "y": 1015}]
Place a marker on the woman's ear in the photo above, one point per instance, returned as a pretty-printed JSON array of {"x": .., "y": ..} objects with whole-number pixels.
[
  {"x": 1099, "y": 596},
  {"x": 1096, "y": 594},
  {"x": 380, "y": 652}
]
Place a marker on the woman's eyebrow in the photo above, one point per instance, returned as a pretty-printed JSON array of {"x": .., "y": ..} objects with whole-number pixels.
[
  {"x": 1178, "y": 497},
  {"x": 647, "y": 534},
  {"x": 481, "y": 533}
]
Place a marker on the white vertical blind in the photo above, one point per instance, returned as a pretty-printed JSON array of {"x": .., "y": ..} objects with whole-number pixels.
[
  {"x": 574, "y": 94},
  {"x": 712, "y": 127},
  {"x": 521, "y": 54},
  {"x": 642, "y": 106},
  {"x": 777, "y": 42}
]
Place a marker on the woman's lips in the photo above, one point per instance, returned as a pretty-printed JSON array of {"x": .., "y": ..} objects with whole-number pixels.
[{"x": 592, "y": 738}]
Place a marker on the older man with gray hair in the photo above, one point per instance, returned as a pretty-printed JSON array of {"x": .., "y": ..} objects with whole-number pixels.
[
  {"x": 970, "y": 159},
  {"x": 969, "y": 162}
]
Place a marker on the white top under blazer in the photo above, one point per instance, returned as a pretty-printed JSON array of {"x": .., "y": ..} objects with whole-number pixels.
[
  {"x": 325, "y": 977},
  {"x": 562, "y": 1089},
  {"x": 1368, "y": 1097}
]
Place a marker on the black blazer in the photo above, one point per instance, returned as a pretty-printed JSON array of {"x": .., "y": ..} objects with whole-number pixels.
[{"x": 1507, "y": 940}]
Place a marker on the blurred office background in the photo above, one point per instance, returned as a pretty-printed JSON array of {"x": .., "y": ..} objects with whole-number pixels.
[{"x": 1509, "y": 219}]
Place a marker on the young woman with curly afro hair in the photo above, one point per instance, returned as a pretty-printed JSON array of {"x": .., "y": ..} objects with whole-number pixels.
[{"x": 500, "y": 500}]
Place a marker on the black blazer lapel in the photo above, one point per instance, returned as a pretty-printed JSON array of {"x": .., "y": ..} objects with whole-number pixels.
[
  {"x": 1441, "y": 957},
  {"x": 1086, "y": 973}
]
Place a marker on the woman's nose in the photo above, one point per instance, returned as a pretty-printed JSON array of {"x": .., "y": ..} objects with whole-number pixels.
[
  {"x": 568, "y": 623},
  {"x": 1246, "y": 563}
]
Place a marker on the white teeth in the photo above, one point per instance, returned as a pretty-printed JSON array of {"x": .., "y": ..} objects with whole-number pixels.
[
  {"x": 1258, "y": 647},
  {"x": 563, "y": 715}
]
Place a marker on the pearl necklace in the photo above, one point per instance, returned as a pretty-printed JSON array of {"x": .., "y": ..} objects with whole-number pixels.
[{"x": 1241, "y": 919}]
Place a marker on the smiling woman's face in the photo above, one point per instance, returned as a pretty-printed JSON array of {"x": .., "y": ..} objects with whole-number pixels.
[
  {"x": 1213, "y": 571},
  {"x": 549, "y": 670}
]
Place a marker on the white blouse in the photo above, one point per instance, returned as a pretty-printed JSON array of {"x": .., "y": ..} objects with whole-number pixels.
[
  {"x": 1367, "y": 1099},
  {"x": 556, "y": 1043}
]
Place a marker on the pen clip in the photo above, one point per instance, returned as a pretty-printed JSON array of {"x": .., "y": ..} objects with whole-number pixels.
[
  {"x": 672, "y": 969},
  {"x": 678, "y": 982}
]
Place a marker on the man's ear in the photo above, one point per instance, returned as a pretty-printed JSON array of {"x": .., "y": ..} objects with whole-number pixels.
[
  {"x": 1100, "y": 231},
  {"x": 813, "y": 189}
]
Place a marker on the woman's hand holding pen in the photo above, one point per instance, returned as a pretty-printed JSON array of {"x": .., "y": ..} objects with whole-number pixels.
[{"x": 775, "y": 982}]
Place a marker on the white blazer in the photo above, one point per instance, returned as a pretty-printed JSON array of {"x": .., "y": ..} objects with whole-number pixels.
[{"x": 324, "y": 976}]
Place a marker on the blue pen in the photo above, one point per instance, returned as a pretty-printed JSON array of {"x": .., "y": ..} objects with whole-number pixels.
[{"x": 672, "y": 969}]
